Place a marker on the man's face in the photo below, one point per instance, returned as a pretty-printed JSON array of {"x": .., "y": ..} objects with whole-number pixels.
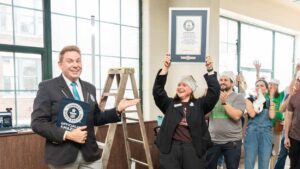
[
  {"x": 71, "y": 65},
  {"x": 297, "y": 85},
  {"x": 183, "y": 91},
  {"x": 225, "y": 83}
]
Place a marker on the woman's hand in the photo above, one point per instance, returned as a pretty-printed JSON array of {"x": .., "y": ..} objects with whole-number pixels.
[{"x": 166, "y": 64}]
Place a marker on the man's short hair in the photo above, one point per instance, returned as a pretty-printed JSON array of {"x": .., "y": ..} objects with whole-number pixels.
[{"x": 70, "y": 48}]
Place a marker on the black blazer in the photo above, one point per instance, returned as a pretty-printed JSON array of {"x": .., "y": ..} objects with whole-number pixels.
[
  {"x": 197, "y": 108},
  {"x": 44, "y": 117}
]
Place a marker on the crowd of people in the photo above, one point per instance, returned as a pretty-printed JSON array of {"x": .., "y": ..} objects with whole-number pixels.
[
  {"x": 227, "y": 122},
  {"x": 196, "y": 133}
]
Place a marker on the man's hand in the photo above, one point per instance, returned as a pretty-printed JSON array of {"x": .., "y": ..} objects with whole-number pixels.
[
  {"x": 209, "y": 63},
  {"x": 287, "y": 143},
  {"x": 223, "y": 97},
  {"x": 124, "y": 103},
  {"x": 77, "y": 135}
]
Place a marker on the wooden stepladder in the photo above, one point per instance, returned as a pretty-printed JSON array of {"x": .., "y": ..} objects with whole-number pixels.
[{"x": 122, "y": 75}]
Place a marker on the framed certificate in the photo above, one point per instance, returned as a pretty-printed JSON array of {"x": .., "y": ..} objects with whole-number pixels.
[{"x": 188, "y": 34}]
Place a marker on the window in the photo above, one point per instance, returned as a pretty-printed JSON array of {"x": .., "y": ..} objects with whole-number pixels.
[
  {"x": 272, "y": 49},
  {"x": 228, "y": 47},
  {"x": 21, "y": 23},
  {"x": 24, "y": 58},
  {"x": 19, "y": 77},
  {"x": 115, "y": 33},
  {"x": 284, "y": 55}
]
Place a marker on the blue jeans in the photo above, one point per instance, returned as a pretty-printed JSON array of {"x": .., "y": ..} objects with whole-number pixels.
[
  {"x": 282, "y": 154},
  {"x": 231, "y": 152},
  {"x": 258, "y": 142}
]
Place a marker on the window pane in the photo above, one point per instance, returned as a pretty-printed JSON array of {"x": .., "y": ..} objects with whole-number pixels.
[
  {"x": 18, "y": 89},
  {"x": 84, "y": 33},
  {"x": 256, "y": 45},
  {"x": 86, "y": 73},
  {"x": 110, "y": 39},
  {"x": 55, "y": 69},
  {"x": 106, "y": 64},
  {"x": 24, "y": 107},
  {"x": 130, "y": 42},
  {"x": 86, "y": 10},
  {"x": 110, "y": 10},
  {"x": 228, "y": 47},
  {"x": 130, "y": 12},
  {"x": 28, "y": 71},
  {"x": 62, "y": 37},
  {"x": 29, "y": 27},
  {"x": 284, "y": 49},
  {"x": 6, "y": 25},
  {"x": 228, "y": 58},
  {"x": 35, "y": 4},
  {"x": 66, "y": 7},
  {"x": 7, "y": 72},
  {"x": 6, "y": 1}
]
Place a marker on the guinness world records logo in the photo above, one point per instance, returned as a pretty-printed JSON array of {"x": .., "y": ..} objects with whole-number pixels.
[
  {"x": 73, "y": 113},
  {"x": 188, "y": 25}
]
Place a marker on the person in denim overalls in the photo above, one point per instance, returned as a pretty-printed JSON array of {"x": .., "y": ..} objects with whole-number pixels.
[{"x": 259, "y": 135}]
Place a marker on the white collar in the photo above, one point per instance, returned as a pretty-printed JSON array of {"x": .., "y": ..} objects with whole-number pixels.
[{"x": 68, "y": 81}]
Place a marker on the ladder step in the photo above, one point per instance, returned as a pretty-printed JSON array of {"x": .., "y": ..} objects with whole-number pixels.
[
  {"x": 130, "y": 111},
  {"x": 101, "y": 145},
  {"x": 135, "y": 140},
  {"x": 109, "y": 94},
  {"x": 140, "y": 162},
  {"x": 133, "y": 119}
]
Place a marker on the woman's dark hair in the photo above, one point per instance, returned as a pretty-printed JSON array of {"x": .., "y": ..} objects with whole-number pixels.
[
  {"x": 276, "y": 94},
  {"x": 262, "y": 80}
]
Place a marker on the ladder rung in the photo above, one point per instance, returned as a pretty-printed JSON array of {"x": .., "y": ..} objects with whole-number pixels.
[
  {"x": 140, "y": 162},
  {"x": 130, "y": 111},
  {"x": 135, "y": 140},
  {"x": 101, "y": 145},
  {"x": 109, "y": 94},
  {"x": 133, "y": 119}
]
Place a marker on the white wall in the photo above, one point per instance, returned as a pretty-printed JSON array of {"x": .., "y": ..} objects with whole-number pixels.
[
  {"x": 269, "y": 13},
  {"x": 155, "y": 46}
]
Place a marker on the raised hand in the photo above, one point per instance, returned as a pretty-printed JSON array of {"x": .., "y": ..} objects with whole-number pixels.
[
  {"x": 257, "y": 65},
  {"x": 166, "y": 64},
  {"x": 209, "y": 63}
]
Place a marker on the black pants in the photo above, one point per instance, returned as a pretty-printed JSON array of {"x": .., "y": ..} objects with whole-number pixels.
[
  {"x": 181, "y": 156},
  {"x": 231, "y": 152},
  {"x": 294, "y": 153}
]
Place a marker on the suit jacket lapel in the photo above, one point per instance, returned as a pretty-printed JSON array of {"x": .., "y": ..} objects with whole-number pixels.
[{"x": 64, "y": 87}]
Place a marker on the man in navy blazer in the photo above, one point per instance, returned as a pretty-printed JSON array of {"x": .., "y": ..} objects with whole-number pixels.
[{"x": 76, "y": 148}]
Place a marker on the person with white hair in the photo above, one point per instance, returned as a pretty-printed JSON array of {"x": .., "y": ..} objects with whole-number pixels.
[
  {"x": 225, "y": 125},
  {"x": 183, "y": 138}
]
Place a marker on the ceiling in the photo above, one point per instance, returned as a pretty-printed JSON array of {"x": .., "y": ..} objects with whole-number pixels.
[{"x": 295, "y": 4}]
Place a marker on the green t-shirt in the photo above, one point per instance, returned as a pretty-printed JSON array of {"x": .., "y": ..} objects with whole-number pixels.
[{"x": 277, "y": 101}]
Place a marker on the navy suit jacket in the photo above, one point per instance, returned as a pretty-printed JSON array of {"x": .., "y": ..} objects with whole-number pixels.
[{"x": 44, "y": 117}]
